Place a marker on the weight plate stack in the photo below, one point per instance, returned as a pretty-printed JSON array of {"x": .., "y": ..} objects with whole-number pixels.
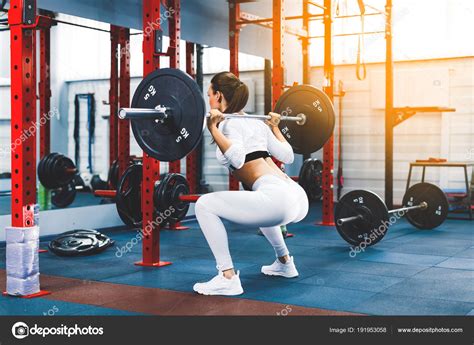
[
  {"x": 311, "y": 178},
  {"x": 166, "y": 197}
]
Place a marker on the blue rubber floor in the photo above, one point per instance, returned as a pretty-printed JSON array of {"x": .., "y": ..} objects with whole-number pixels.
[{"x": 409, "y": 272}]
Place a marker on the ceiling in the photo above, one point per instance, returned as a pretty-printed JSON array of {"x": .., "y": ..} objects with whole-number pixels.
[{"x": 202, "y": 21}]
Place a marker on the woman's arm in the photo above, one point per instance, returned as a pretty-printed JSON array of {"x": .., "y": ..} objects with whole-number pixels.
[
  {"x": 229, "y": 141},
  {"x": 221, "y": 140},
  {"x": 276, "y": 142}
]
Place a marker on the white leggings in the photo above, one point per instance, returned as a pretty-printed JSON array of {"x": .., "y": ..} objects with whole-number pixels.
[{"x": 273, "y": 202}]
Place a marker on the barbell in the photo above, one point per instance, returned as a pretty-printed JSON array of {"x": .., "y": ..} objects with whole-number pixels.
[
  {"x": 172, "y": 191},
  {"x": 362, "y": 216},
  {"x": 168, "y": 115}
]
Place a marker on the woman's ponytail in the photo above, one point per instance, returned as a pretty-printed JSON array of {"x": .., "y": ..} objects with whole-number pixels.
[{"x": 235, "y": 92}]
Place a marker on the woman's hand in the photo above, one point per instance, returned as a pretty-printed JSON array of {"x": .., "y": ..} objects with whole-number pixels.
[
  {"x": 215, "y": 117},
  {"x": 274, "y": 121}
]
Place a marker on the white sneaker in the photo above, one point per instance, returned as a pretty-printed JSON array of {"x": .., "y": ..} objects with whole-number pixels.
[
  {"x": 287, "y": 270},
  {"x": 220, "y": 285}
]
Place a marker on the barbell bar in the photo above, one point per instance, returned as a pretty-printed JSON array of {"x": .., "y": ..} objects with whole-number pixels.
[
  {"x": 361, "y": 216},
  {"x": 162, "y": 113},
  {"x": 421, "y": 206},
  {"x": 168, "y": 113},
  {"x": 175, "y": 192}
]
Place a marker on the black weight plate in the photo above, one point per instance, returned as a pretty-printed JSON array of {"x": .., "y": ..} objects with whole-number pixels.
[
  {"x": 436, "y": 212},
  {"x": 167, "y": 192},
  {"x": 320, "y": 118},
  {"x": 128, "y": 198},
  {"x": 63, "y": 196},
  {"x": 311, "y": 178},
  {"x": 180, "y": 134},
  {"x": 62, "y": 176},
  {"x": 374, "y": 225},
  {"x": 104, "y": 241},
  {"x": 48, "y": 169},
  {"x": 74, "y": 245},
  {"x": 44, "y": 175}
]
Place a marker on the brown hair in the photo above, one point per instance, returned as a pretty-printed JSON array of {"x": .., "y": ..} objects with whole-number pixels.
[{"x": 235, "y": 92}]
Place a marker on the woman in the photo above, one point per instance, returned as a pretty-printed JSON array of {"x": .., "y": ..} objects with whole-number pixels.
[{"x": 244, "y": 146}]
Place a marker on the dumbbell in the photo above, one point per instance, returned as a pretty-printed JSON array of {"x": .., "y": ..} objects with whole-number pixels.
[{"x": 362, "y": 216}]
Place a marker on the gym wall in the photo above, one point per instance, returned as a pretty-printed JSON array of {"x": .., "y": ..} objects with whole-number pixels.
[{"x": 442, "y": 82}]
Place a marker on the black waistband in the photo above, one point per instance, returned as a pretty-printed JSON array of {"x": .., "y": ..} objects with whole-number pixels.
[{"x": 256, "y": 155}]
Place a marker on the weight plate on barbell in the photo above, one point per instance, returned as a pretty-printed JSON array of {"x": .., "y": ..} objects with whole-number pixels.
[
  {"x": 166, "y": 197},
  {"x": 128, "y": 199},
  {"x": 178, "y": 135},
  {"x": 64, "y": 196},
  {"x": 320, "y": 118},
  {"x": 311, "y": 178},
  {"x": 62, "y": 170},
  {"x": 372, "y": 228},
  {"x": 44, "y": 175},
  {"x": 436, "y": 212}
]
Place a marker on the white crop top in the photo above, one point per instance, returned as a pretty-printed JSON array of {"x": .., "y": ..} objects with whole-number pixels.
[{"x": 247, "y": 136}]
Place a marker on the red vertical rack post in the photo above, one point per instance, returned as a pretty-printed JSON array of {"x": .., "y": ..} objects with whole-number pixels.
[
  {"x": 174, "y": 28},
  {"x": 278, "y": 31},
  {"x": 328, "y": 150},
  {"x": 113, "y": 93},
  {"x": 23, "y": 114},
  {"x": 234, "y": 33},
  {"x": 124, "y": 101},
  {"x": 45, "y": 90},
  {"x": 191, "y": 159},
  {"x": 151, "y": 167},
  {"x": 23, "y": 106},
  {"x": 305, "y": 44},
  {"x": 278, "y": 71}
]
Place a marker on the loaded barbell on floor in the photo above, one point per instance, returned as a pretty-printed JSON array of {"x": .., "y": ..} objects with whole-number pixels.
[
  {"x": 168, "y": 115},
  {"x": 361, "y": 216}
]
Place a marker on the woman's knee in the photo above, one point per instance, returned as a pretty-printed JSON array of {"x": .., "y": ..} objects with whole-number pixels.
[{"x": 202, "y": 205}]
